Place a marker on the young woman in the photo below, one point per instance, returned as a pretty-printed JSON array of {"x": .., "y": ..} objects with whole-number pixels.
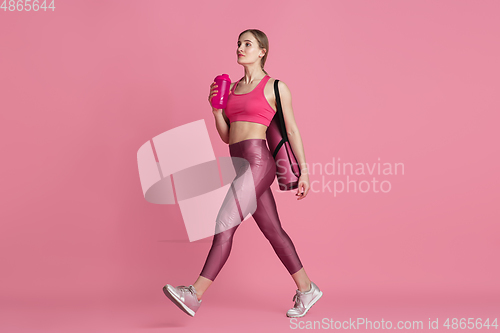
[{"x": 250, "y": 108}]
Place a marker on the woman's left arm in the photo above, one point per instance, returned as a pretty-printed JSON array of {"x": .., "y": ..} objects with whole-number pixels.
[{"x": 295, "y": 139}]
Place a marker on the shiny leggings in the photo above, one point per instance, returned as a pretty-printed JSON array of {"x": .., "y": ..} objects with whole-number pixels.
[{"x": 263, "y": 169}]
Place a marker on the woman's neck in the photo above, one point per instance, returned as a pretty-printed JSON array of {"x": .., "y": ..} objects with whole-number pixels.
[{"x": 253, "y": 74}]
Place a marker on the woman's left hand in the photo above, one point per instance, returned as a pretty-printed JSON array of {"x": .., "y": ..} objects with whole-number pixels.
[{"x": 304, "y": 186}]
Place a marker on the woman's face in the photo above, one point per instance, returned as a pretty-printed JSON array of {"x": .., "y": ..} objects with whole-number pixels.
[{"x": 249, "y": 49}]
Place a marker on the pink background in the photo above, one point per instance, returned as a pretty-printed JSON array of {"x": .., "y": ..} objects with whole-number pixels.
[{"x": 83, "y": 87}]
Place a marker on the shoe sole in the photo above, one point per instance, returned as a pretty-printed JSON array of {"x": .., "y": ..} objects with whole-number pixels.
[
  {"x": 178, "y": 302},
  {"x": 313, "y": 302}
]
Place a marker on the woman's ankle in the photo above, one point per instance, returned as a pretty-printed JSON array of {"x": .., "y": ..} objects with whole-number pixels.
[
  {"x": 201, "y": 285},
  {"x": 199, "y": 292},
  {"x": 305, "y": 288}
]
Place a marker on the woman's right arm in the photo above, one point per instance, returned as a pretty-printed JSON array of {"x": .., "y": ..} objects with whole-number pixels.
[{"x": 221, "y": 121}]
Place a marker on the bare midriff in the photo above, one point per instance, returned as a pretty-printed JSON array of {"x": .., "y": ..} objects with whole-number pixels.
[{"x": 244, "y": 130}]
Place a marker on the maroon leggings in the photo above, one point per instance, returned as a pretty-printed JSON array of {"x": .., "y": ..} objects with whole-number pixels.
[{"x": 263, "y": 169}]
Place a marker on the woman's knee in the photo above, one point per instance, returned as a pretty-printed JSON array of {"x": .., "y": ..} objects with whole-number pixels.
[
  {"x": 224, "y": 236},
  {"x": 275, "y": 236}
]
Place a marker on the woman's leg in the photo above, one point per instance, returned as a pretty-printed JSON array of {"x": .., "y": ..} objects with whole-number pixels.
[
  {"x": 254, "y": 173},
  {"x": 266, "y": 216},
  {"x": 228, "y": 220}
]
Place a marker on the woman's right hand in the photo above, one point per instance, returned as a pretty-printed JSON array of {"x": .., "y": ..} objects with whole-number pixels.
[{"x": 213, "y": 92}]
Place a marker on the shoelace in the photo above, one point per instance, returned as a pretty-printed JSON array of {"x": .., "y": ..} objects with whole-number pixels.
[
  {"x": 296, "y": 299},
  {"x": 188, "y": 289}
]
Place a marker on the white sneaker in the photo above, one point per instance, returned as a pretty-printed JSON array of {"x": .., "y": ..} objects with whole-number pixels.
[
  {"x": 184, "y": 297},
  {"x": 304, "y": 301}
]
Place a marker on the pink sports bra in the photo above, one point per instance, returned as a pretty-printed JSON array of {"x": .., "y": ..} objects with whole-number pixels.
[{"x": 252, "y": 106}]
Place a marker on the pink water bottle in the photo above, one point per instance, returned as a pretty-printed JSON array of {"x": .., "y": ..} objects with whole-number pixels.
[{"x": 223, "y": 82}]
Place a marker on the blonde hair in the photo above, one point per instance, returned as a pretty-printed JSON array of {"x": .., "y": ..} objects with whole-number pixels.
[{"x": 263, "y": 44}]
